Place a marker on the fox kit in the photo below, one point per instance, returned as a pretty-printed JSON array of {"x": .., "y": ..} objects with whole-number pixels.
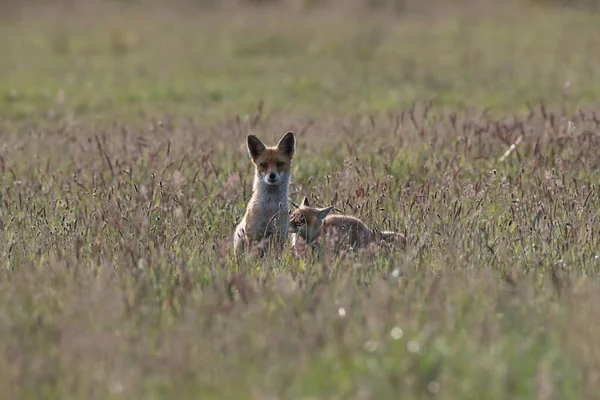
[
  {"x": 310, "y": 223},
  {"x": 266, "y": 219}
]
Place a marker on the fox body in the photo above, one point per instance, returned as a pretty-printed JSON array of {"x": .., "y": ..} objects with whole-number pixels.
[
  {"x": 266, "y": 219},
  {"x": 341, "y": 231}
]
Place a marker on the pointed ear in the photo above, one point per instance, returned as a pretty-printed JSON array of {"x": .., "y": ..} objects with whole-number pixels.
[
  {"x": 255, "y": 146},
  {"x": 324, "y": 212},
  {"x": 305, "y": 202},
  {"x": 287, "y": 144},
  {"x": 294, "y": 204}
]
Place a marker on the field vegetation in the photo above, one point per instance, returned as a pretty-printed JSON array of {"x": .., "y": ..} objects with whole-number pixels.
[{"x": 471, "y": 127}]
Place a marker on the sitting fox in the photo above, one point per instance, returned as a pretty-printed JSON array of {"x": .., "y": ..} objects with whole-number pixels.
[
  {"x": 339, "y": 231},
  {"x": 266, "y": 220}
]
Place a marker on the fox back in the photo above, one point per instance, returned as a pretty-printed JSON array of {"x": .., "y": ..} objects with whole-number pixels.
[{"x": 266, "y": 216}]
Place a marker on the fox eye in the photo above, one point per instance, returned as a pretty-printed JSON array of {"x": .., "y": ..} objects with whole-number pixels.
[
  {"x": 280, "y": 163},
  {"x": 264, "y": 165}
]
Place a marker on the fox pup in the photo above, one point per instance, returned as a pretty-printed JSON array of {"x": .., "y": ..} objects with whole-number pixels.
[
  {"x": 266, "y": 220},
  {"x": 310, "y": 223}
]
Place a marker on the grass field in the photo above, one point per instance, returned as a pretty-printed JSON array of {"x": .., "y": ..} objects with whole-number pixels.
[{"x": 124, "y": 171}]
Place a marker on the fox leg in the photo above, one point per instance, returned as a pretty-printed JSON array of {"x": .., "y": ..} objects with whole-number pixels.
[{"x": 239, "y": 240}]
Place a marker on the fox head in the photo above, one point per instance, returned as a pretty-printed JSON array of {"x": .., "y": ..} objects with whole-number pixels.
[
  {"x": 272, "y": 163},
  {"x": 306, "y": 221}
]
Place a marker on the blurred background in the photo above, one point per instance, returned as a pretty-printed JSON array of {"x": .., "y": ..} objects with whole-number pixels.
[{"x": 100, "y": 59}]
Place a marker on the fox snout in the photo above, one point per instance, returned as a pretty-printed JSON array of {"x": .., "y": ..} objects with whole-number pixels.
[
  {"x": 293, "y": 227},
  {"x": 272, "y": 178}
]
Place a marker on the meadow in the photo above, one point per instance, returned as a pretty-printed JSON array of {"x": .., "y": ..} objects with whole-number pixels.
[{"x": 471, "y": 127}]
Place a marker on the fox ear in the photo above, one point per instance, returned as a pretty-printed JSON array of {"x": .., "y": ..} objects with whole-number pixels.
[
  {"x": 287, "y": 144},
  {"x": 324, "y": 212},
  {"x": 305, "y": 202},
  {"x": 255, "y": 146}
]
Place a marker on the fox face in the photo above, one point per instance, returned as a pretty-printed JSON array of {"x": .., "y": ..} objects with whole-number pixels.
[
  {"x": 272, "y": 163},
  {"x": 306, "y": 221}
]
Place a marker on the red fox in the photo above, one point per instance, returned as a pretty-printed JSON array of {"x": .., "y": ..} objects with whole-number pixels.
[
  {"x": 266, "y": 220},
  {"x": 341, "y": 231}
]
